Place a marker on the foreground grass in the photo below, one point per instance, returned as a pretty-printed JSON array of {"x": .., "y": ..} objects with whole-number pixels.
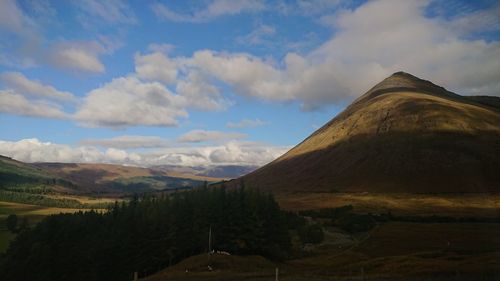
[{"x": 392, "y": 251}]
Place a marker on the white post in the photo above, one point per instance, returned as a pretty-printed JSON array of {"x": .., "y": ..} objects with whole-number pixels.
[
  {"x": 135, "y": 276},
  {"x": 277, "y": 273},
  {"x": 210, "y": 240}
]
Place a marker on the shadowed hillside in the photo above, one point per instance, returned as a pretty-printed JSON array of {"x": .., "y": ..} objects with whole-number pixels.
[{"x": 404, "y": 135}]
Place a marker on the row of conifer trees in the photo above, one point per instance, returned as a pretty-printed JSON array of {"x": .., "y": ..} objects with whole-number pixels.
[{"x": 148, "y": 234}]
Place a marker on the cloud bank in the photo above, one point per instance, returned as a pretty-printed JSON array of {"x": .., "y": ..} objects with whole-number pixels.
[{"x": 228, "y": 153}]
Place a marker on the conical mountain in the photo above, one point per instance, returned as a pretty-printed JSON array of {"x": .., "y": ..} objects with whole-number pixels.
[{"x": 404, "y": 135}]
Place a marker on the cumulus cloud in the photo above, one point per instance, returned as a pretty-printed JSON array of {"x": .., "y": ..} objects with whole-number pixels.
[
  {"x": 427, "y": 47},
  {"x": 199, "y": 93},
  {"x": 124, "y": 142},
  {"x": 204, "y": 136},
  {"x": 246, "y": 123},
  {"x": 34, "y": 150},
  {"x": 21, "y": 84},
  {"x": 230, "y": 153},
  {"x": 156, "y": 66},
  {"x": 127, "y": 101},
  {"x": 216, "y": 8},
  {"x": 78, "y": 55},
  {"x": 14, "y": 103}
]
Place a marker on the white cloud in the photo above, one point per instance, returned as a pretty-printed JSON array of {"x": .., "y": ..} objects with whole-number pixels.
[
  {"x": 12, "y": 19},
  {"x": 110, "y": 11},
  {"x": 216, "y": 8},
  {"x": 258, "y": 36},
  {"x": 234, "y": 152},
  {"x": 409, "y": 41},
  {"x": 124, "y": 142},
  {"x": 156, "y": 66},
  {"x": 127, "y": 101},
  {"x": 230, "y": 153},
  {"x": 246, "y": 123},
  {"x": 200, "y": 94},
  {"x": 479, "y": 20},
  {"x": 78, "y": 55},
  {"x": 193, "y": 88},
  {"x": 204, "y": 136},
  {"x": 14, "y": 103},
  {"x": 21, "y": 84},
  {"x": 113, "y": 155},
  {"x": 33, "y": 150}
]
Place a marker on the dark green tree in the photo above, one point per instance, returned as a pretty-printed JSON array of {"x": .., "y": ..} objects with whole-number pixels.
[{"x": 11, "y": 223}]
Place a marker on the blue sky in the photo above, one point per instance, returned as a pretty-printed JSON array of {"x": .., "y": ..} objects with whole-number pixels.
[{"x": 218, "y": 82}]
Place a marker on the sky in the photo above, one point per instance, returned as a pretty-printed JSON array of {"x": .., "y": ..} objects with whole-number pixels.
[{"x": 218, "y": 82}]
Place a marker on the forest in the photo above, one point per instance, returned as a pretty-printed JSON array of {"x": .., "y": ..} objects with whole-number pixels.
[{"x": 147, "y": 234}]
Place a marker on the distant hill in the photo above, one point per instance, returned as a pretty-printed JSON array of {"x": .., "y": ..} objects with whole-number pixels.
[
  {"x": 219, "y": 172},
  {"x": 404, "y": 135},
  {"x": 109, "y": 178},
  {"x": 90, "y": 179}
]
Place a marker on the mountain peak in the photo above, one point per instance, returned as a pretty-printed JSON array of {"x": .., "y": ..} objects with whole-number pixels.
[{"x": 405, "y": 82}]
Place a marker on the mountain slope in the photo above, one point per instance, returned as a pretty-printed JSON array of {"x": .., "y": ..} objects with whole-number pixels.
[{"x": 404, "y": 135}]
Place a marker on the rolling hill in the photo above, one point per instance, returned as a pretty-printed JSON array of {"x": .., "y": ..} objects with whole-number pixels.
[
  {"x": 109, "y": 178},
  {"x": 211, "y": 171},
  {"x": 89, "y": 179},
  {"x": 405, "y": 135}
]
